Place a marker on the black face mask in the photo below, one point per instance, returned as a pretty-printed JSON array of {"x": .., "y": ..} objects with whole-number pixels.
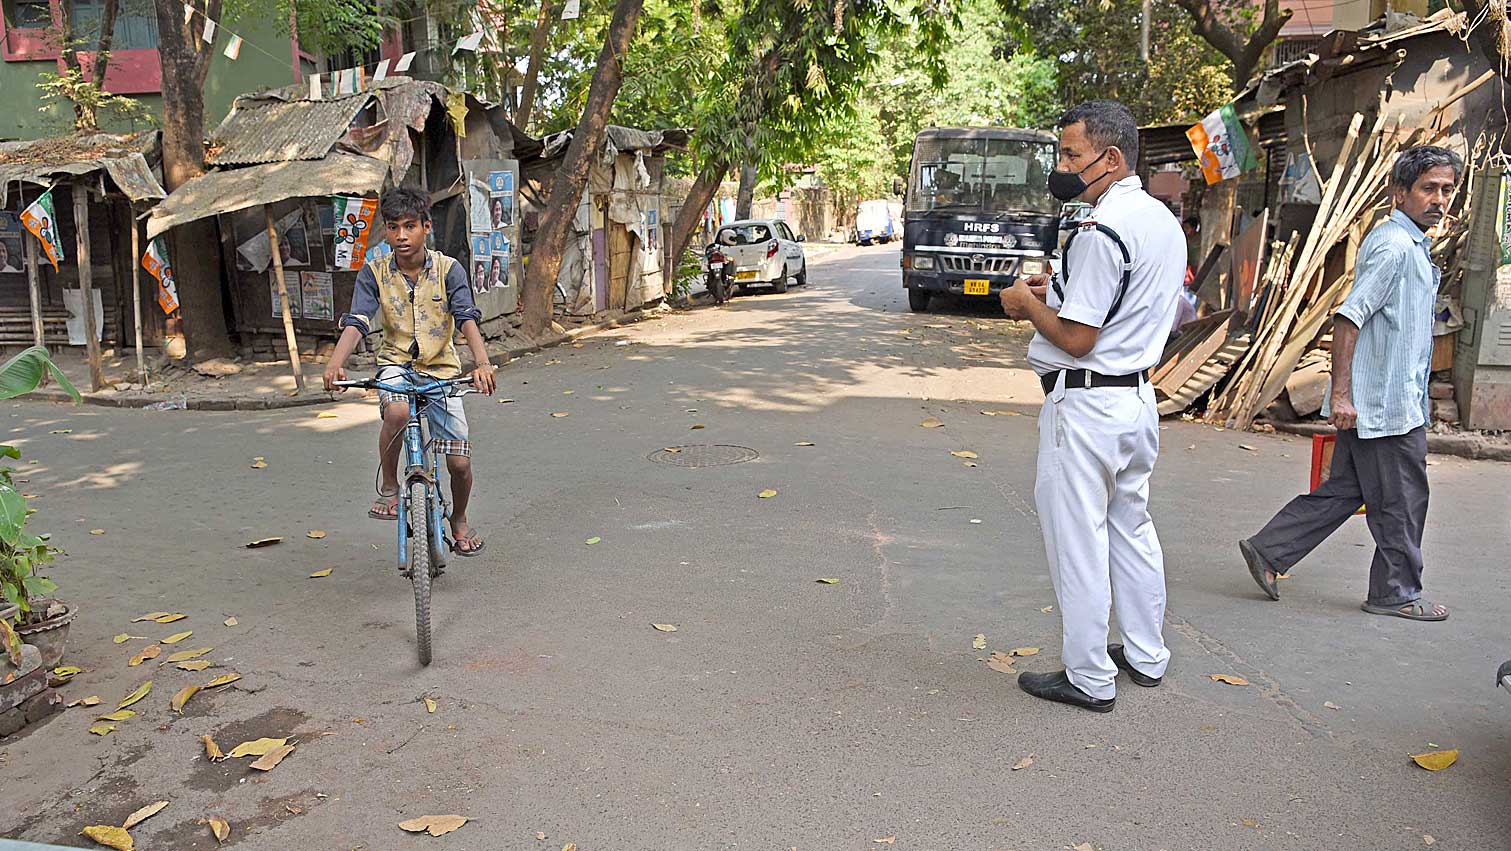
[{"x": 1068, "y": 185}]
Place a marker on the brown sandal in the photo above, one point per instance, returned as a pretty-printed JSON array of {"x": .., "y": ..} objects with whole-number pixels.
[{"x": 385, "y": 507}]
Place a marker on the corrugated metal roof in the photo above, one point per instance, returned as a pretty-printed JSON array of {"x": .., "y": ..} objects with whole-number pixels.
[
  {"x": 266, "y": 130},
  {"x": 220, "y": 192}
]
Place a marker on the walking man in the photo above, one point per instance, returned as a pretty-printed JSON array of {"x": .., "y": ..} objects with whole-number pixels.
[
  {"x": 1101, "y": 324},
  {"x": 1382, "y": 357}
]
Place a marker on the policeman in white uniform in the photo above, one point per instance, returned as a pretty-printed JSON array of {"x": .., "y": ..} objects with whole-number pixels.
[{"x": 1101, "y": 324}]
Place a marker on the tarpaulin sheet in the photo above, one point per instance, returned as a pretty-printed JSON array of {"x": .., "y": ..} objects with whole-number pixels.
[{"x": 222, "y": 192}]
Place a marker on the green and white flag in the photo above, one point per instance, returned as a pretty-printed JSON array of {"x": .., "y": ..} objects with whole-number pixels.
[{"x": 42, "y": 220}]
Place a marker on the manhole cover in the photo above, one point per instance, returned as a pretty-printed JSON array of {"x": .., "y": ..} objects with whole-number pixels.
[{"x": 703, "y": 455}]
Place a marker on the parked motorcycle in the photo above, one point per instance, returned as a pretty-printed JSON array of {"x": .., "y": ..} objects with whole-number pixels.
[{"x": 718, "y": 270}]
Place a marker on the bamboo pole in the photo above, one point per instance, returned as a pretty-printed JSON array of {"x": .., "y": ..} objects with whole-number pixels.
[
  {"x": 136, "y": 293},
  {"x": 283, "y": 297},
  {"x": 34, "y": 284},
  {"x": 80, "y": 195}
]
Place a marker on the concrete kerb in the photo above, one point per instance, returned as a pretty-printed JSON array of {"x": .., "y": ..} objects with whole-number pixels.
[
  {"x": 1463, "y": 445},
  {"x": 221, "y": 403}
]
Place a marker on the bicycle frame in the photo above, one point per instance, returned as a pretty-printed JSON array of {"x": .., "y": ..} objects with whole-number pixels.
[{"x": 421, "y": 464}]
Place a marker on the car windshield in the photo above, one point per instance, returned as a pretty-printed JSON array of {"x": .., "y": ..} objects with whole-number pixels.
[
  {"x": 992, "y": 175},
  {"x": 743, "y": 235}
]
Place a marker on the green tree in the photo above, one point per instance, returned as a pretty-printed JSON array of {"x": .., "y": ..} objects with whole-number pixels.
[{"x": 1095, "y": 45}]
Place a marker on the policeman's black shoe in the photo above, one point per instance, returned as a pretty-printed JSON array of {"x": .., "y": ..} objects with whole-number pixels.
[
  {"x": 1120, "y": 659},
  {"x": 1057, "y": 687}
]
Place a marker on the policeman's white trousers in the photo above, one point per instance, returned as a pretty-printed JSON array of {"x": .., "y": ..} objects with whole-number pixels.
[{"x": 1097, "y": 448}]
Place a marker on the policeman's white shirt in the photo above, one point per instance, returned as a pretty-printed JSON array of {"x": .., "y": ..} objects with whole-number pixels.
[{"x": 1137, "y": 334}]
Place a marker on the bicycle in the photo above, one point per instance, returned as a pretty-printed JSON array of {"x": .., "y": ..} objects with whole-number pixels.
[{"x": 423, "y": 511}]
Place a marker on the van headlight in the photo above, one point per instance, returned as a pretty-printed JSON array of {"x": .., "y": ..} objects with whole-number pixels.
[
  {"x": 1032, "y": 267},
  {"x": 923, "y": 262}
]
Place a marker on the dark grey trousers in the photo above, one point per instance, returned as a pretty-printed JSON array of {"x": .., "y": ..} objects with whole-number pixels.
[{"x": 1387, "y": 475}]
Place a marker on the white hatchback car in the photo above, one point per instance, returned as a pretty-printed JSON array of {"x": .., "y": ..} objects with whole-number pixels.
[{"x": 763, "y": 252}]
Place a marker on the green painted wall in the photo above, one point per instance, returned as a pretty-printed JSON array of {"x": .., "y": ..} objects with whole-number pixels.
[{"x": 265, "y": 61}]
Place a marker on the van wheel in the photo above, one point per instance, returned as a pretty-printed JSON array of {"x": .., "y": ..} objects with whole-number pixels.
[
  {"x": 781, "y": 283},
  {"x": 918, "y": 300}
]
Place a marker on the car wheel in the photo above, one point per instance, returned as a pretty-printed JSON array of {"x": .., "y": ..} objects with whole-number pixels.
[
  {"x": 918, "y": 300},
  {"x": 780, "y": 286},
  {"x": 802, "y": 277}
]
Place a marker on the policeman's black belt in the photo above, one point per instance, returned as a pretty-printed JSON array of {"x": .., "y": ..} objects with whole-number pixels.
[{"x": 1082, "y": 378}]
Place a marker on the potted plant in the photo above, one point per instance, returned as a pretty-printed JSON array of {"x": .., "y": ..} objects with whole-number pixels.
[{"x": 29, "y": 614}]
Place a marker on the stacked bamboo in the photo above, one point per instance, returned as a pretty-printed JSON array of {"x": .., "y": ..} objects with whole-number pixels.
[{"x": 1300, "y": 298}]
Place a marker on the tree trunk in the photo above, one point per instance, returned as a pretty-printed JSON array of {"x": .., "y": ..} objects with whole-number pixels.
[
  {"x": 106, "y": 40},
  {"x": 1244, "y": 51},
  {"x": 566, "y": 189},
  {"x": 691, "y": 214},
  {"x": 538, "y": 39},
  {"x": 745, "y": 198},
  {"x": 185, "y": 63},
  {"x": 68, "y": 51}
]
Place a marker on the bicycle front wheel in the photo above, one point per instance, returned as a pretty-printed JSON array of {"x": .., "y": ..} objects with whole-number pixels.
[{"x": 418, "y": 516}]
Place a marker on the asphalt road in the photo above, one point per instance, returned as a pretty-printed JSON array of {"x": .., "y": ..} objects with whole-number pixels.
[{"x": 783, "y": 713}]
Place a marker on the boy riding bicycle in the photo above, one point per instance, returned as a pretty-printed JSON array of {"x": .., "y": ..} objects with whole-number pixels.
[{"x": 417, "y": 299}]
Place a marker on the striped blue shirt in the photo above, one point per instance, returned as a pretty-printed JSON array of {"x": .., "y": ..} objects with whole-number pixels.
[{"x": 1395, "y": 288}]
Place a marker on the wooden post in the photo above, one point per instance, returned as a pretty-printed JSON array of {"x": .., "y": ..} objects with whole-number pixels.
[
  {"x": 33, "y": 281},
  {"x": 283, "y": 297},
  {"x": 136, "y": 292},
  {"x": 86, "y": 283}
]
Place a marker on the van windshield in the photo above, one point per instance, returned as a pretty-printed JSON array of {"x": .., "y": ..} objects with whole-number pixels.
[
  {"x": 743, "y": 235},
  {"x": 990, "y": 175}
]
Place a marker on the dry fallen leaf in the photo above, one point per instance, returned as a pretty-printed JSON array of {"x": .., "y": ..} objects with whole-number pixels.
[
  {"x": 1001, "y": 662},
  {"x": 231, "y": 621},
  {"x": 1251, "y": 823},
  {"x": 430, "y": 705},
  {"x": 67, "y": 671},
  {"x": 196, "y": 665},
  {"x": 263, "y": 542},
  {"x": 212, "y": 750},
  {"x": 223, "y": 680},
  {"x": 1084, "y": 846},
  {"x": 321, "y": 574},
  {"x": 1024, "y": 651},
  {"x": 827, "y": 580},
  {"x": 256, "y": 747},
  {"x": 1229, "y": 679},
  {"x": 1330, "y": 705},
  {"x": 103, "y": 729},
  {"x": 315, "y": 534},
  {"x": 1025, "y": 762},
  {"x": 1436, "y": 760},
  {"x": 932, "y": 422},
  {"x": 1428, "y": 840},
  {"x": 173, "y": 617},
  {"x": 259, "y": 465},
  {"x": 219, "y": 827},
  {"x": 270, "y": 760},
  {"x": 96, "y": 531},
  {"x": 141, "y": 692},
  {"x": 965, "y": 453},
  {"x": 326, "y": 415},
  {"x": 664, "y": 627},
  {"x": 434, "y": 825},
  {"x": 540, "y": 835},
  {"x": 561, "y": 414},
  {"x": 593, "y": 540},
  {"x": 177, "y": 637},
  {"x": 979, "y": 642},
  {"x": 92, "y": 700},
  {"x": 805, "y": 443},
  {"x": 1002, "y": 413},
  {"x": 150, "y": 616},
  {"x": 186, "y": 655},
  {"x": 110, "y": 836},
  {"x": 1047, "y": 609},
  {"x": 125, "y": 637},
  {"x": 570, "y": 846},
  {"x": 766, "y": 494},
  {"x": 118, "y": 715},
  {"x": 149, "y": 652},
  {"x": 697, "y": 427},
  {"x": 183, "y": 697},
  {"x": 143, "y": 814},
  {"x": 885, "y": 840}
]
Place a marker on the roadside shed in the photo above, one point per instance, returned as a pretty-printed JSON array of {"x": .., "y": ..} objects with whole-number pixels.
[{"x": 100, "y": 183}]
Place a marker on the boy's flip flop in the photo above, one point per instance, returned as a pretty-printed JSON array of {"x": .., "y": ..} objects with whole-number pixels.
[
  {"x": 385, "y": 508},
  {"x": 1413, "y": 611},
  {"x": 475, "y": 542}
]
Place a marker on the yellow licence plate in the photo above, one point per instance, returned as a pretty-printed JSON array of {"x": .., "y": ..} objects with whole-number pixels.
[
  {"x": 978, "y": 287},
  {"x": 745, "y": 276}
]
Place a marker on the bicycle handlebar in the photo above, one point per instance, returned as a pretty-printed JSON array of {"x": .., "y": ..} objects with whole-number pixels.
[{"x": 432, "y": 385}]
